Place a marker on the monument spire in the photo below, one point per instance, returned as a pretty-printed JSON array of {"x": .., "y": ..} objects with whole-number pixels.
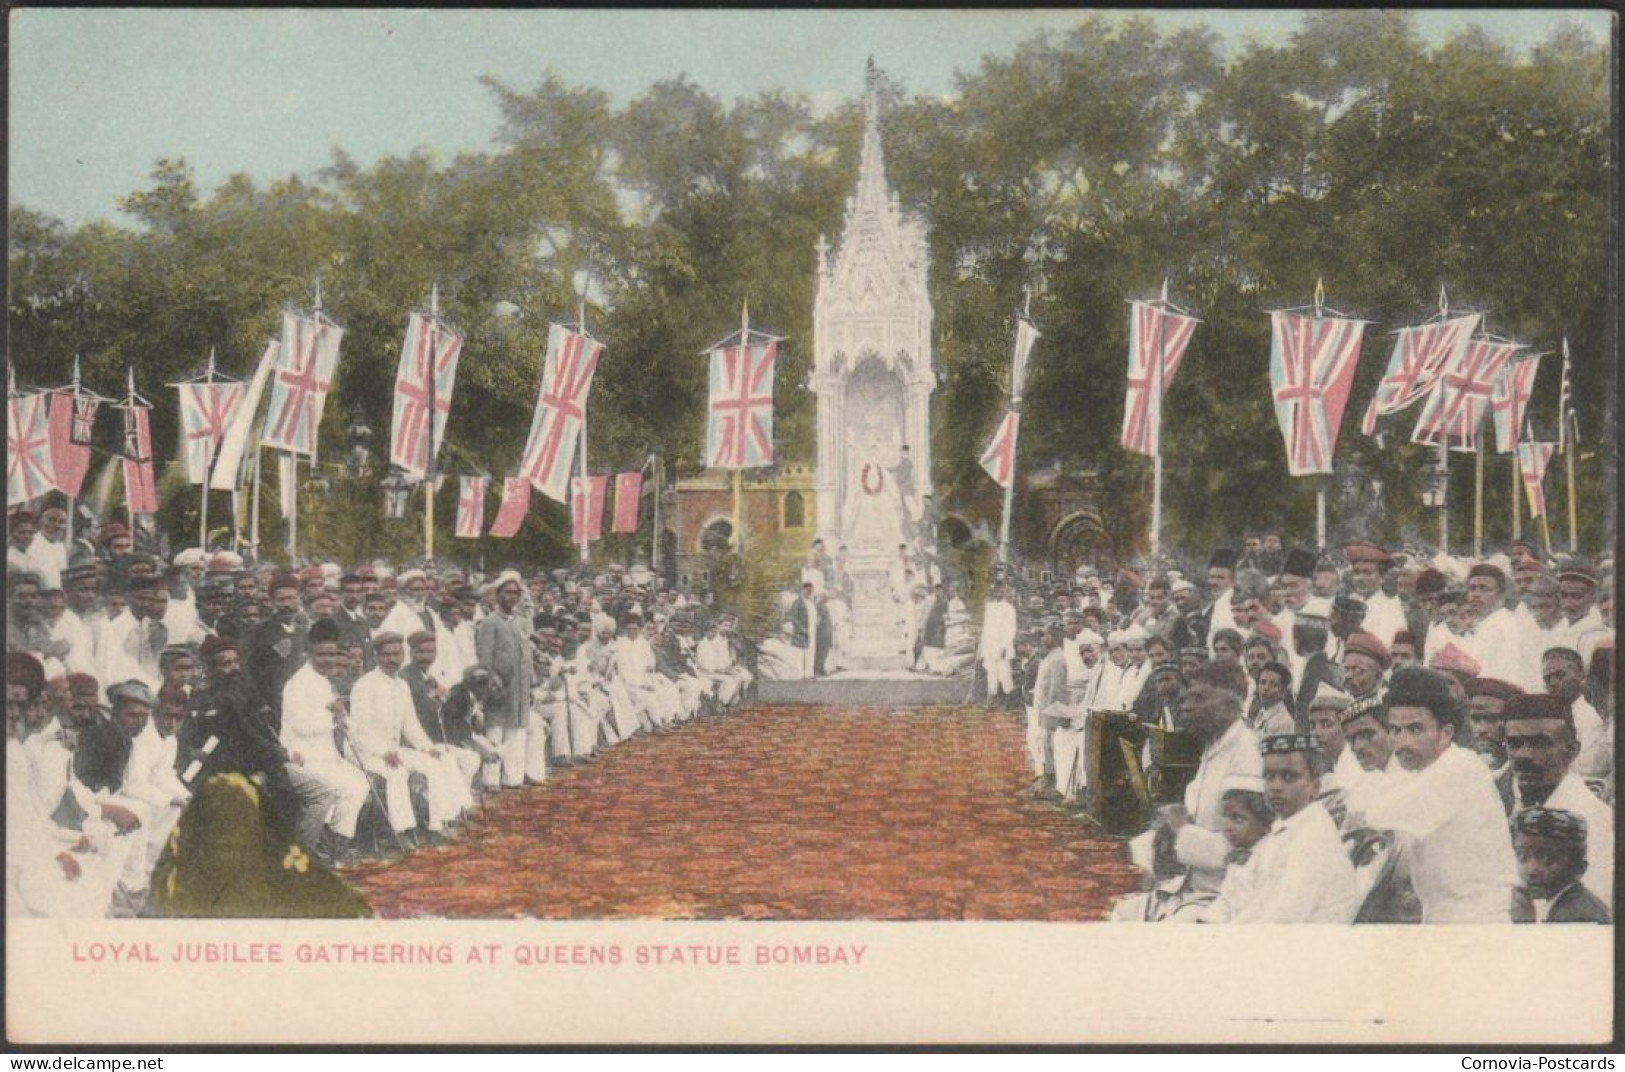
[{"x": 872, "y": 194}]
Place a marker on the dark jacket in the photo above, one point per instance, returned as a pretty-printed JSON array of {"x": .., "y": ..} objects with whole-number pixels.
[
  {"x": 233, "y": 715},
  {"x": 1576, "y": 904},
  {"x": 270, "y": 657}
]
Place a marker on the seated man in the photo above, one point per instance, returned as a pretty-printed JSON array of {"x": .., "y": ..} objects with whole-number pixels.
[
  {"x": 428, "y": 696},
  {"x": 150, "y": 775},
  {"x": 1192, "y": 853},
  {"x": 463, "y": 716},
  {"x": 1541, "y": 744},
  {"x": 1551, "y": 848},
  {"x": 1301, "y": 874},
  {"x": 311, "y": 713},
  {"x": 389, "y": 741},
  {"x": 714, "y": 659},
  {"x": 1447, "y": 814}
]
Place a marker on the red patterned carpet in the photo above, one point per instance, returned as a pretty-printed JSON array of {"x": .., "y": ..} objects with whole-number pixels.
[{"x": 775, "y": 813}]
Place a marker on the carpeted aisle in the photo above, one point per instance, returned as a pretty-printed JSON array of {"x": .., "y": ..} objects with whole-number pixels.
[{"x": 775, "y": 813}]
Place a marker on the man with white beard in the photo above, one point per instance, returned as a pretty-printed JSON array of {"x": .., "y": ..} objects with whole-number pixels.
[
  {"x": 1071, "y": 722},
  {"x": 595, "y": 672}
]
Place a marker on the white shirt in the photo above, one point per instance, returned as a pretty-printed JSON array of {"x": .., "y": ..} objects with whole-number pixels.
[
  {"x": 382, "y": 716},
  {"x": 126, "y": 655},
  {"x": 48, "y": 558},
  {"x": 1200, "y": 845},
  {"x": 307, "y": 720},
  {"x": 81, "y": 657},
  {"x": 998, "y": 632},
  {"x": 1572, "y": 795},
  {"x": 1384, "y": 616},
  {"x": 1302, "y": 874},
  {"x": 1454, "y": 829},
  {"x": 1497, "y": 645},
  {"x": 149, "y": 774},
  {"x": 1534, "y": 643}
]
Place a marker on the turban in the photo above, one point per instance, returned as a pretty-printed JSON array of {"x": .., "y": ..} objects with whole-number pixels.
[
  {"x": 1367, "y": 644},
  {"x": 1282, "y": 744},
  {"x": 1363, "y": 551},
  {"x": 133, "y": 691}
]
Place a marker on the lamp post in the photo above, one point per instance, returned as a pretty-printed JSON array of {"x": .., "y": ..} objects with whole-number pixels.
[{"x": 397, "y": 489}]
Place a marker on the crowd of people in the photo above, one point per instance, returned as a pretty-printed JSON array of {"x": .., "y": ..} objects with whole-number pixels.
[
  {"x": 358, "y": 711},
  {"x": 924, "y": 621},
  {"x": 1379, "y": 736}
]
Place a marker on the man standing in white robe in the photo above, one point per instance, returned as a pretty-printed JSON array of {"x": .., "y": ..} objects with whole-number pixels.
[{"x": 998, "y": 643}]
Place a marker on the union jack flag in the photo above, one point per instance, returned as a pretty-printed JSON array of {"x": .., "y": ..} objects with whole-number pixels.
[
  {"x": 207, "y": 409},
  {"x": 306, "y": 358},
  {"x": 1533, "y": 458},
  {"x": 999, "y": 459},
  {"x": 572, "y": 358},
  {"x": 739, "y": 429},
  {"x": 1456, "y": 405},
  {"x": 1420, "y": 356},
  {"x": 427, "y": 338},
  {"x": 70, "y": 455},
  {"x": 29, "y": 472},
  {"x": 587, "y": 508},
  {"x": 1151, "y": 327},
  {"x": 471, "y": 506},
  {"x": 140, "y": 487},
  {"x": 1509, "y": 400},
  {"x": 1312, "y": 362},
  {"x": 515, "y": 501}
]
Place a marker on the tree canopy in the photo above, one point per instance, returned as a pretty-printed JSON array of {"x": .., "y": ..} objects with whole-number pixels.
[{"x": 1088, "y": 166}]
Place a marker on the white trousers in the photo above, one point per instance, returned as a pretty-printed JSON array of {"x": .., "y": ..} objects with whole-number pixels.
[
  {"x": 348, "y": 787},
  {"x": 999, "y": 679}
]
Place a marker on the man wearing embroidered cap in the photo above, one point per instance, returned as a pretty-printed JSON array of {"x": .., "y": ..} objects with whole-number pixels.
[
  {"x": 1541, "y": 746},
  {"x": 1302, "y": 875},
  {"x": 1577, "y": 595},
  {"x": 1447, "y": 813},
  {"x": 1325, "y": 719},
  {"x": 1552, "y": 858}
]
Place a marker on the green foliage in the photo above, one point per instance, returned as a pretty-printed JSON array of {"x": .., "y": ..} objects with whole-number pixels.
[{"x": 1087, "y": 166}]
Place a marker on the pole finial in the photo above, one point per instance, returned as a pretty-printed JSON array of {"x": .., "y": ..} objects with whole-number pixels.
[
  {"x": 1320, "y": 297},
  {"x": 1444, "y": 301},
  {"x": 1027, "y": 302},
  {"x": 1165, "y": 290}
]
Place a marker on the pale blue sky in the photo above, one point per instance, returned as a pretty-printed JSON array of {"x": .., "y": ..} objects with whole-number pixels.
[{"x": 97, "y": 94}]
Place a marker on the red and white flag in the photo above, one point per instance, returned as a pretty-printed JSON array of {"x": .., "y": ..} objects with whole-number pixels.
[
  {"x": 550, "y": 449},
  {"x": 1420, "y": 356},
  {"x": 471, "y": 506},
  {"x": 739, "y": 428},
  {"x": 515, "y": 502},
  {"x": 999, "y": 459},
  {"x": 1532, "y": 461},
  {"x": 228, "y": 460},
  {"x": 1153, "y": 329},
  {"x": 429, "y": 343},
  {"x": 29, "y": 470},
  {"x": 628, "y": 501},
  {"x": 587, "y": 508},
  {"x": 140, "y": 486},
  {"x": 1455, "y": 407},
  {"x": 207, "y": 410},
  {"x": 1312, "y": 362},
  {"x": 306, "y": 358},
  {"x": 287, "y": 484},
  {"x": 1510, "y": 399},
  {"x": 72, "y": 418}
]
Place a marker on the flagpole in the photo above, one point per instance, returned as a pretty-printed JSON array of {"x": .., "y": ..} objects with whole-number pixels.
[
  {"x": 1517, "y": 486},
  {"x": 1015, "y": 407},
  {"x": 428, "y": 468},
  {"x": 208, "y": 464},
  {"x": 129, "y": 401},
  {"x": 254, "y": 510},
  {"x": 1156, "y": 430},
  {"x": 1320, "y": 515},
  {"x": 654, "y": 544},
  {"x": 73, "y": 504},
  {"x": 1444, "y": 497},
  {"x": 586, "y": 545},
  {"x": 1478, "y": 502},
  {"x": 739, "y": 473},
  {"x": 293, "y": 509}
]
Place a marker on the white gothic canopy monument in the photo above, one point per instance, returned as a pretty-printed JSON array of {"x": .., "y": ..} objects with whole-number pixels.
[
  {"x": 872, "y": 352},
  {"x": 874, "y": 377}
]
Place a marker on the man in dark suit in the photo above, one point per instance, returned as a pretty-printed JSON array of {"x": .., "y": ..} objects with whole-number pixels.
[
  {"x": 1551, "y": 848},
  {"x": 1310, "y": 628},
  {"x": 276, "y": 648},
  {"x": 812, "y": 632}
]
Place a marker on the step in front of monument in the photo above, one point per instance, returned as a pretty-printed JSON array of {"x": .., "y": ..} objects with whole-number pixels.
[{"x": 853, "y": 689}]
